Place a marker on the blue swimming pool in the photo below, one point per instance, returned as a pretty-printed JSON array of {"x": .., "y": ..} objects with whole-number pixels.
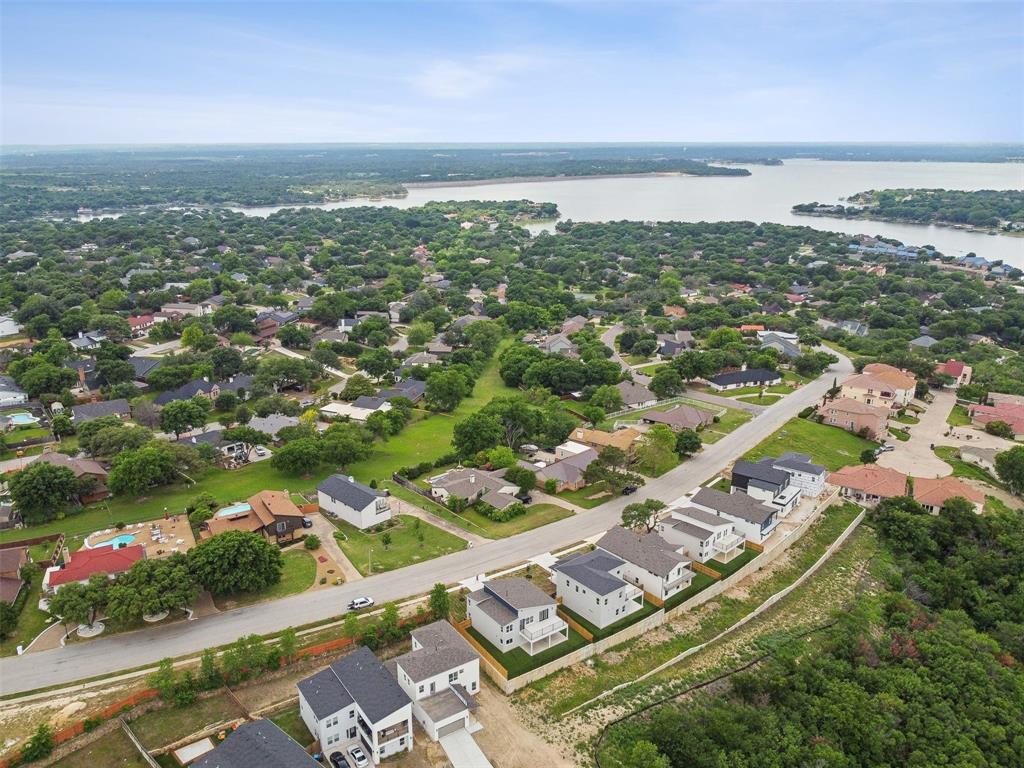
[
  {"x": 120, "y": 541},
  {"x": 22, "y": 419},
  {"x": 234, "y": 509}
]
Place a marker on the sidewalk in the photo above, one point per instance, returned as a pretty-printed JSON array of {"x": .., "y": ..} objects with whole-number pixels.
[{"x": 325, "y": 529}]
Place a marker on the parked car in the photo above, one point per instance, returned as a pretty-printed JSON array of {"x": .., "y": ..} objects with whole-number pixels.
[
  {"x": 359, "y": 757},
  {"x": 884, "y": 449},
  {"x": 524, "y": 498},
  {"x": 261, "y": 451},
  {"x": 338, "y": 760},
  {"x": 360, "y": 602},
  {"x": 307, "y": 403},
  {"x": 629, "y": 489},
  {"x": 307, "y": 523}
]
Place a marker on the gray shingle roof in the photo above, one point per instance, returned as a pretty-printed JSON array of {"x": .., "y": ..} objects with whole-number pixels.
[
  {"x": 749, "y": 377},
  {"x": 592, "y": 570},
  {"x": 700, "y": 516},
  {"x": 684, "y": 526},
  {"x": 349, "y": 491},
  {"x": 799, "y": 462},
  {"x": 144, "y": 365},
  {"x": 736, "y": 504},
  {"x": 358, "y": 677},
  {"x": 87, "y": 411},
  {"x": 259, "y": 743},
  {"x": 633, "y": 393},
  {"x": 761, "y": 470},
  {"x": 324, "y": 693},
  {"x": 443, "y": 649},
  {"x": 647, "y": 550}
]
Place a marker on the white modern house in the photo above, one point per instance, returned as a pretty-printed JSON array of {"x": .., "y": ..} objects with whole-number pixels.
[
  {"x": 514, "y": 613},
  {"x": 591, "y": 585},
  {"x": 803, "y": 474},
  {"x": 357, "y": 701},
  {"x": 360, "y": 505},
  {"x": 440, "y": 674},
  {"x": 650, "y": 562},
  {"x": 359, "y": 409},
  {"x": 11, "y": 393},
  {"x": 701, "y": 535},
  {"x": 762, "y": 481},
  {"x": 754, "y": 520}
]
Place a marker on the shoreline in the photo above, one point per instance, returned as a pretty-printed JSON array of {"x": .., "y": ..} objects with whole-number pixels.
[
  {"x": 890, "y": 220},
  {"x": 533, "y": 179}
]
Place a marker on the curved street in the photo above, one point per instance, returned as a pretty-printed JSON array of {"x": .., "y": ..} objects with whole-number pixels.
[{"x": 126, "y": 651}]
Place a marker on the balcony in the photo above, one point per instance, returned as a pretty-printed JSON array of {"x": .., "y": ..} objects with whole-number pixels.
[
  {"x": 392, "y": 733},
  {"x": 727, "y": 545},
  {"x": 542, "y": 635},
  {"x": 686, "y": 578}
]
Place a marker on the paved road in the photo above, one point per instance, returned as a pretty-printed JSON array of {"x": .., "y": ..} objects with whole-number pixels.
[
  {"x": 107, "y": 655},
  {"x": 608, "y": 339}
]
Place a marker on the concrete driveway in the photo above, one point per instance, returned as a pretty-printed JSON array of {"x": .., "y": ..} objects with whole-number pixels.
[
  {"x": 325, "y": 529},
  {"x": 463, "y": 751},
  {"x": 915, "y": 456}
]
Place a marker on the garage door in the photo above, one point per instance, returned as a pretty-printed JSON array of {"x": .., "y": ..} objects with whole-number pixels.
[
  {"x": 444, "y": 730},
  {"x": 463, "y": 751}
]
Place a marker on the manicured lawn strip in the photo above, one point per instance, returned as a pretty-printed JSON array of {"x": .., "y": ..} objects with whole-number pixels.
[
  {"x": 517, "y": 661},
  {"x": 779, "y": 389},
  {"x": 297, "y": 576},
  {"x": 994, "y": 505},
  {"x": 636, "y": 359},
  {"x": 829, "y": 446},
  {"x": 760, "y": 399},
  {"x": 31, "y": 620},
  {"x": 701, "y": 581},
  {"x": 650, "y": 370},
  {"x": 290, "y": 721},
  {"x": 579, "y": 498},
  {"x": 113, "y": 750},
  {"x": 21, "y": 435},
  {"x": 635, "y": 657},
  {"x": 899, "y": 434},
  {"x": 908, "y": 419},
  {"x": 728, "y": 569},
  {"x": 611, "y": 629},
  {"x": 159, "y": 728},
  {"x": 962, "y": 468},
  {"x": 958, "y": 417},
  {"x": 404, "y": 549}
]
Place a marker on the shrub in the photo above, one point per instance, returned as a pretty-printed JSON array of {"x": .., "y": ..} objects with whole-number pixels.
[
  {"x": 40, "y": 745},
  {"x": 312, "y": 542},
  {"x": 550, "y": 485}
]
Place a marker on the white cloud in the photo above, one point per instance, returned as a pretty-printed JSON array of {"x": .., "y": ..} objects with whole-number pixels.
[{"x": 451, "y": 79}]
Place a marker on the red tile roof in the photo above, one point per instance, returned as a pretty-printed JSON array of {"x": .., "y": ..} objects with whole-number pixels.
[{"x": 85, "y": 562}]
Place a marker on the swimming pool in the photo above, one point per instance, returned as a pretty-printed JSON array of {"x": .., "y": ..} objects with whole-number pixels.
[
  {"x": 22, "y": 419},
  {"x": 119, "y": 541},
  {"x": 234, "y": 509}
]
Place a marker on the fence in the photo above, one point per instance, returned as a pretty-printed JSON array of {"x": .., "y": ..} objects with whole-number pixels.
[
  {"x": 564, "y": 615},
  {"x": 668, "y": 401},
  {"x": 494, "y": 669},
  {"x": 410, "y": 485},
  {"x": 701, "y": 568}
]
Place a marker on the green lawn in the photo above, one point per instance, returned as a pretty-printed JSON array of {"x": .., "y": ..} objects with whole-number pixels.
[
  {"x": 636, "y": 359},
  {"x": 17, "y": 436},
  {"x": 161, "y": 727},
  {"x": 906, "y": 418},
  {"x": 962, "y": 468},
  {"x": 994, "y": 505},
  {"x": 778, "y": 389},
  {"x": 728, "y": 569},
  {"x": 701, "y": 581},
  {"x": 732, "y": 419},
  {"x": 31, "y": 620},
  {"x": 650, "y": 370},
  {"x": 405, "y": 547},
  {"x": 579, "y": 498},
  {"x": 113, "y": 750},
  {"x": 290, "y": 721},
  {"x": 829, "y": 446},
  {"x": 611, "y": 629},
  {"x": 958, "y": 417},
  {"x": 760, "y": 399},
  {"x": 518, "y": 661},
  {"x": 899, "y": 434},
  {"x": 298, "y": 576}
]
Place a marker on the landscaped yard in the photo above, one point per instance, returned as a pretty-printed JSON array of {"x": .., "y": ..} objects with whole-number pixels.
[
  {"x": 16, "y": 436},
  {"x": 366, "y": 551},
  {"x": 297, "y": 576},
  {"x": 961, "y": 468},
  {"x": 958, "y": 417},
  {"x": 290, "y": 721},
  {"x": 518, "y": 661},
  {"x": 31, "y": 620},
  {"x": 580, "y": 497},
  {"x": 829, "y": 446},
  {"x": 611, "y": 629},
  {"x": 732, "y": 419},
  {"x": 728, "y": 569},
  {"x": 760, "y": 399},
  {"x": 160, "y": 727},
  {"x": 114, "y": 750},
  {"x": 701, "y": 581}
]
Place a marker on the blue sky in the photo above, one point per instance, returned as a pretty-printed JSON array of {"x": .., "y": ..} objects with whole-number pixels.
[{"x": 149, "y": 72}]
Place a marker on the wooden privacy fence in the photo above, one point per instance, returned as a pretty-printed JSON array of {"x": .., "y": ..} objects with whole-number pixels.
[
  {"x": 751, "y": 545},
  {"x": 587, "y": 635},
  {"x": 701, "y": 568},
  {"x": 463, "y": 629}
]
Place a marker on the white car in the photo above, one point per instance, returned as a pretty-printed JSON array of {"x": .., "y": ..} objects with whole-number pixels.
[
  {"x": 261, "y": 451},
  {"x": 359, "y": 757},
  {"x": 360, "y": 602}
]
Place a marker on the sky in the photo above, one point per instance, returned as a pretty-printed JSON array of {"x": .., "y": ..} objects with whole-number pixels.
[{"x": 232, "y": 72}]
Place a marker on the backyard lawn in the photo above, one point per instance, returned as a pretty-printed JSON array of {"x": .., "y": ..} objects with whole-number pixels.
[
  {"x": 518, "y": 661},
  {"x": 365, "y": 549},
  {"x": 728, "y": 569},
  {"x": 163, "y": 726},
  {"x": 290, "y": 721},
  {"x": 829, "y": 446},
  {"x": 297, "y": 576},
  {"x": 599, "y": 633},
  {"x": 114, "y": 750},
  {"x": 701, "y": 581},
  {"x": 732, "y": 419},
  {"x": 31, "y": 620},
  {"x": 958, "y": 417}
]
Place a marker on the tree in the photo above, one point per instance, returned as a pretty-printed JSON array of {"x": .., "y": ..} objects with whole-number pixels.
[
  {"x": 351, "y": 625},
  {"x": 42, "y": 490},
  {"x": 295, "y": 336},
  {"x": 299, "y": 457},
  {"x": 687, "y": 443},
  {"x": 312, "y": 542},
  {"x": 867, "y": 456},
  {"x": 385, "y": 539},
  {"x": 999, "y": 429},
  {"x": 522, "y": 477},
  {"x": 39, "y": 746},
  {"x": 62, "y": 425},
  {"x": 440, "y": 601},
  {"x": 235, "y": 561},
  {"x": 184, "y": 415},
  {"x": 445, "y": 390},
  {"x": 646, "y": 755},
  {"x": 357, "y": 386},
  {"x": 420, "y": 333},
  {"x": 8, "y": 619},
  {"x": 608, "y": 398},
  {"x": 1010, "y": 468},
  {"x": 642, "y": 514},
  {"x": 247, "y": 436},
  {"x": 193, "y": 336},
  {"x": 115, "y": 371},
  {"x": 287, "y": 644},
  {"x": 156, "y": 463},
  {"x": 501, "y": 457},
  {"x": 656, "y": 449},
  {"x": 389, "y": 623},
  {"x": 344, "y": 443},
  {"x": 225, "y": 361},
  {"x": 70, "y": 604},
  {"x": 477, "y": 432},
  {"x": 666, "y": 382},
  {"x": 378, "y": 363}
]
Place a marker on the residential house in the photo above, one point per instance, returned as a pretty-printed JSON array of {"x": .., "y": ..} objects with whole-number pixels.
[
  {"x": 185, "y": 309},
  {"x": 650, "y": 562},
  {"x": 140, "y": 325},
  {"x": 257, "y": 743},
  {"x": 854, "y": 327},
  {"x": 230, "y": 449},
  {"x": 411, "y": 389},
  {"x": 980, "y": 457},
  {"x": 868, "y": 484},
  {"x": 87, "y": 341},
  {"x": 437, "y": 347},
  {"x": 924, "y": 342},
  {"x": 1006, "y": 412},
  {"x": 636, "y": 396},
  {"x": 753, "y": 377},
  {"x": 273, "y": 423},
  {"x": 754, "y": 520},
  {"x": 558, "y": 344},
  {"x": 11, "y": 393},
  {"x": 85, "y": 369},
  {"x": 762, "y": 481},
  {"x": 872, "y": 421},
  {"x": 680, "y": 417},
  {"x": 934, "y": 493},
  {"x": 783, "y": 346},
  {"x": 357, "y": 504},
  {"x": 9, "y": 326},
  {"x": 11, "y": 561},
  {"x": 395, "y": 311},
  {"x": 239, "y": 385},
  {"x": 91, "y": 475},
  {"x": 567, "y": 472},
  {"x": 592, "y": 585},
  {"x": 80, "y": 565},
  {"x": 514, "y": 613},
  {"x": 419, "y": 358},
  {"x": 805, "y": 475},
  {"x": 440, "y": 675},
  {"x": 359, "y": 409},
  {"x": 574, "y": 324},
  {"x": 272, "y": 514},
  {"x": 623, "y": 439},
  {"x": 144, "y": 366},
  {"x": 89, "y": 411},
  {"x": 701, "y": 535},
  {"x": 902, "y": 382},
  {"x": 673, "y": 344},
  {"x": 474, "y": 485},
  {"x": 356, "y": 699},
  {"x": 957, "y": 370}
]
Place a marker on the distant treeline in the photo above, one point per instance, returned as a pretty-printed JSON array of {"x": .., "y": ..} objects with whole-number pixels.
[{"x": 981, "y": 208}]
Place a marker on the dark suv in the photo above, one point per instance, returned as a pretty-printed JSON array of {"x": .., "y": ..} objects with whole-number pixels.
[{"x": 338, "y": 760}]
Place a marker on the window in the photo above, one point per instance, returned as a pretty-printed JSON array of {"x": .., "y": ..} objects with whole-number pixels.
[
  {"x": 421, "y": 689},
  {"x": 544, "y": 614},
  {"x": 453, "y": 677},
  {"x": 281, "y": 527},
  {"x": 351, "y": 732}
]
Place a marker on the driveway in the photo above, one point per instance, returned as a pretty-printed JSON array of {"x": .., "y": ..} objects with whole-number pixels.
[
  {"x": 463, "y": 751},
  {"x": 325, "y": 529},
  {"x": 915, "y": 456}
]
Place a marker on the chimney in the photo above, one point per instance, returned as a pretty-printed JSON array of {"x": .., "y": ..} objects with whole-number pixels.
[
  {"x": 206, "y": 378},
  {"x": 81, "y": 334}
]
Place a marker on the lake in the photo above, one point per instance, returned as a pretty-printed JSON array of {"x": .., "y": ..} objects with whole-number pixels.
[{"x": 766, "y": 195}]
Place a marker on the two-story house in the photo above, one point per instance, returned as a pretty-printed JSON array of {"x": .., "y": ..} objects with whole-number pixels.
[
  {"x": 871, "y": 421},
  {"x": 357, "y": 701},
  {"x": 754, "y": 520},
  {"x": 440, "y": 674},
  {"x": 803, "y": 473},
  {"x": 360, "y": 505},
  {"x": 701, "y": 535},
  {"x": 762, "y": 481},
  {"x": 651, "y": 563},
  {"x": 514, "y": 613},
  {"x": 592, "y": 585}
]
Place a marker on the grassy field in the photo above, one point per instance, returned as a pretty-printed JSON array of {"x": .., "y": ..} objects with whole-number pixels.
[
  {"x": 829, "y": 446},
  {"x": 760, "y": 399},
  {"x": 732, "y": 419},
  {"x": 728, "y": 569},
  {"x": 961, "y": 468},
  {"x": 161, "y": 727},
  {"x": 31, "y": 620},
  {"x": 290, "y": 721},
  {"x": 17, "y": 436},
  {"x": 114, "y": 750},
  {"x": 365, "y": 549},
  {"x": 518, "y": 661},
  {"x": 958, "y": 417},
  {"x": 297, "y": 576}
]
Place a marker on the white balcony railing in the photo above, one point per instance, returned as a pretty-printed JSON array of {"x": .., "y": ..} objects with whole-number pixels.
[{"x": 540, "y": 630}]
